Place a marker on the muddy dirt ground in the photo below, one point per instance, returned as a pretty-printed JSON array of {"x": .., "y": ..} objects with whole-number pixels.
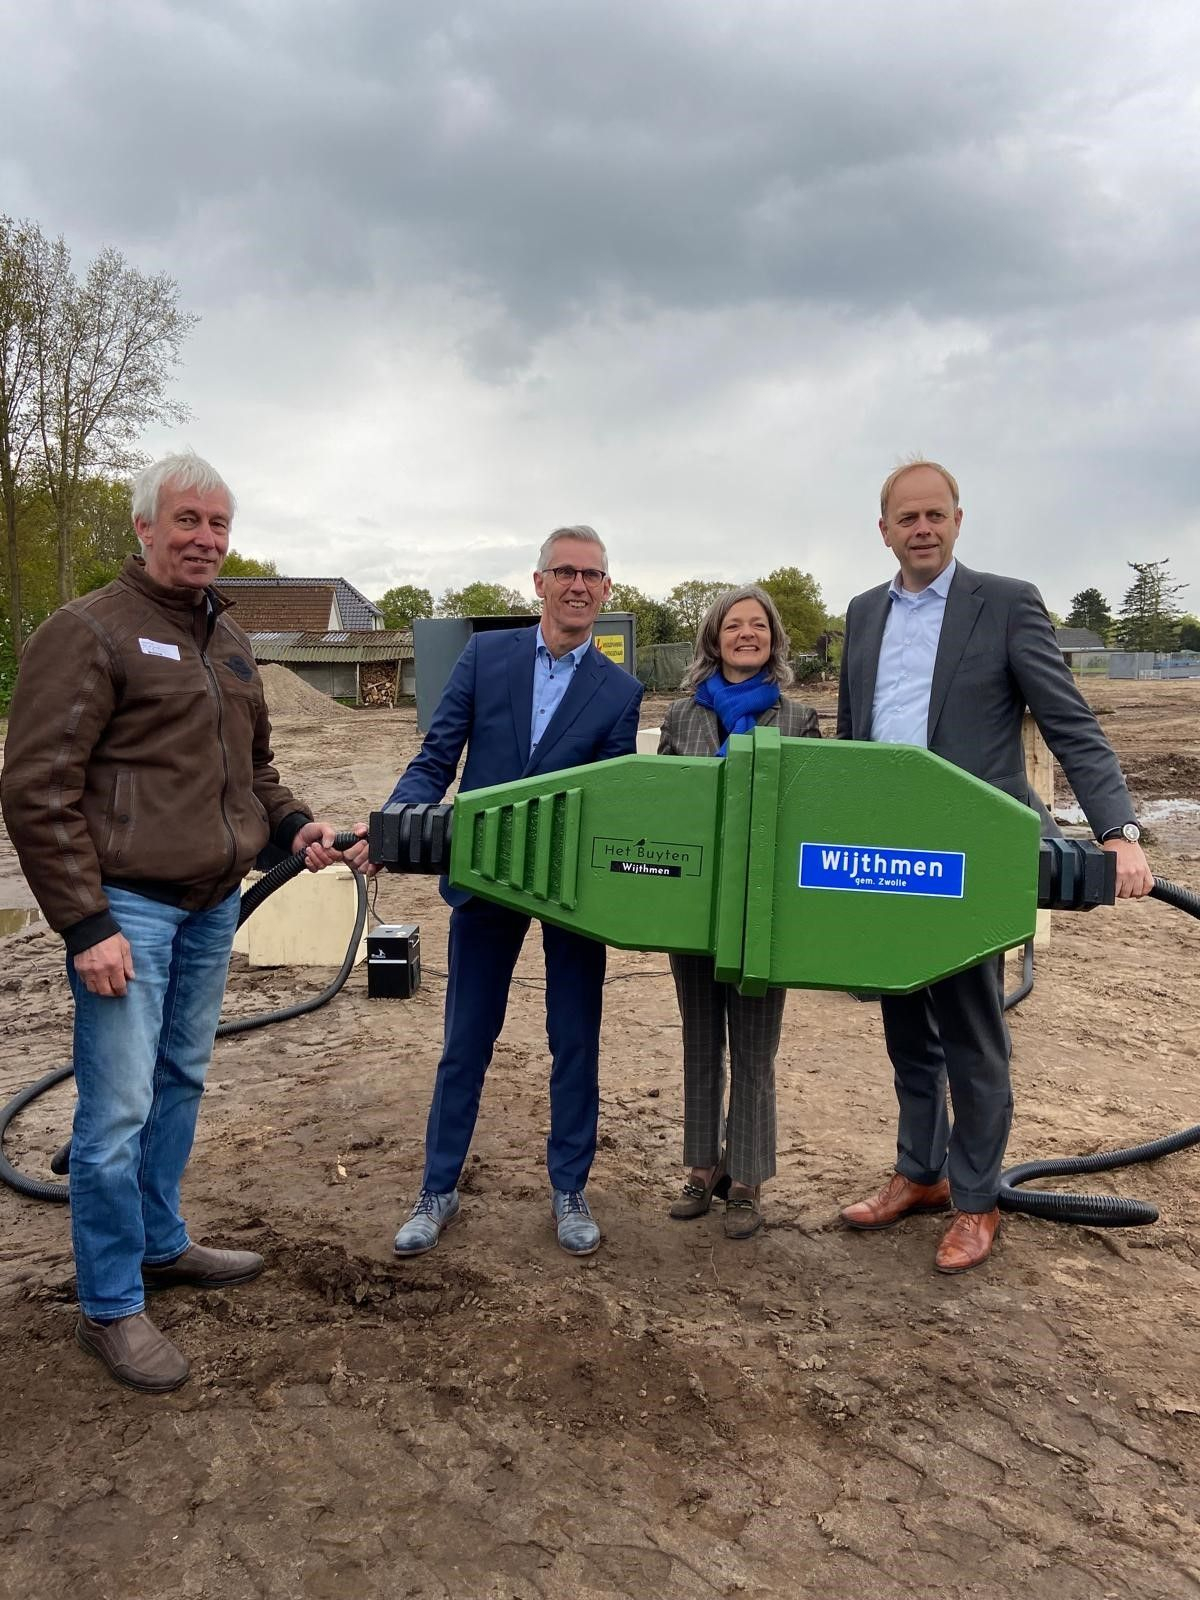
[{"x": 812, "y": 1413}]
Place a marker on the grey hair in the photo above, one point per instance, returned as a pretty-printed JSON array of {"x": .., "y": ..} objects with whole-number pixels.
[
  {"x": 581, "y": 531},
  {"x": 707, "y": 659},
  {"x": 186, "y": 470}
]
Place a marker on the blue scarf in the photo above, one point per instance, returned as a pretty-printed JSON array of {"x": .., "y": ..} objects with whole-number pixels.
[{"x": 737, "y": 705}]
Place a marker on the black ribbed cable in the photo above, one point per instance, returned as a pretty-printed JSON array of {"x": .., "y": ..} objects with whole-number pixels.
[{"x": 289, "y": 868}]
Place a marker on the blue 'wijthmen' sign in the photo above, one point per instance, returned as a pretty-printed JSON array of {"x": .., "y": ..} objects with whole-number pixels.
[{"x": 879, "y": 869}]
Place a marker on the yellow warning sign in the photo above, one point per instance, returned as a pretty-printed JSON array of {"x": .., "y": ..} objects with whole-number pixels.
[{"x": 611, "y": 645}]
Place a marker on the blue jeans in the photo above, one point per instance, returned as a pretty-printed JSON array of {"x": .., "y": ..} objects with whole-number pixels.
[{"x": 140, "y": 1061}]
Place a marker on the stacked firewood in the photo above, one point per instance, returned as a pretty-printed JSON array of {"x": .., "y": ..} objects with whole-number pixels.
[{"x": 377, "y": 682}]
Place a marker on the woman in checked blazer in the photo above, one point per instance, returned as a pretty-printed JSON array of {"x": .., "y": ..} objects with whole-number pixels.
[{"x": 736, "y": 681}]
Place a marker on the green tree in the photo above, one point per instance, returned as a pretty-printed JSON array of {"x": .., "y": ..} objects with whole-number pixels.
[
  {"x": 828, "y": 643},
  {"x": 670, "y": 629},
  {"x": 1150, "y": 614},
  {"x": 103, "y": 533},
  {"x": 654, "y": 622},
  {"x": 481, "y": 599},
  {"x": 236, "y": 565},
  {"x": 1089, "y": 609},
  {"x": 689, "y": 600},
  {"x": 1189, "y": 632},
  {"x": 37, "y": 560},
  {"x": 403, "y": 603},
  {"x": 798, "y": 597},
  {"x": 18, "y": 408}
]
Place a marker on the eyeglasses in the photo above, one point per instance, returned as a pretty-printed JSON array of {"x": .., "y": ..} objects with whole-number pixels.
[{"x": 592, "y": 576}]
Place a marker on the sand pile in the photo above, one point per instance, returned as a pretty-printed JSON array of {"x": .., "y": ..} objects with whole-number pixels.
[{"x": 290, "y": 696}]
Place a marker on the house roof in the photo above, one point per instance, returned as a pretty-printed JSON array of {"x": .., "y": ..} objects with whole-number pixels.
[
  {"x": 296, "y": 608},
  {"x": 297, "y": 647},
  {"x": 355, "y": 610},
  {"x": 1078, "y": 639}
]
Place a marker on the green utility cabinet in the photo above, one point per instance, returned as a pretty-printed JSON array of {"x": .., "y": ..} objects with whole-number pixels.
[{"x": 800, "y": 863}]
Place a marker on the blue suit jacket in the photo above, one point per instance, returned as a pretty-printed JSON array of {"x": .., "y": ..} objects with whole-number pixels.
[{"x": 487, "y": 707}]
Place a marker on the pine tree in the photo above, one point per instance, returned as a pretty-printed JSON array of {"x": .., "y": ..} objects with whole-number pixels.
[
  {"x": 1150, "y": 614},
  {"x": 1089, "y": 609}
]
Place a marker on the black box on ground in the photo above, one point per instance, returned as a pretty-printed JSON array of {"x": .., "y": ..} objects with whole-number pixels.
[{"x": 394, "y": 961}]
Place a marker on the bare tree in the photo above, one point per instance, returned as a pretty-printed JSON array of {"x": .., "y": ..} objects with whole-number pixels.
[
  {"x": 18, "y": 398},
  {"x": 105, "y": 348}
]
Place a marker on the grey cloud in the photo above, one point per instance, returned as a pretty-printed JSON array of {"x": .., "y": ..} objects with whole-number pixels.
[
  {"x": 548, "y": 155},
  {"x": 698, "y": 272}
]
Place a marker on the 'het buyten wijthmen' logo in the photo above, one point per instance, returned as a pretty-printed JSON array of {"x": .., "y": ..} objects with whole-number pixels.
[
  {"x": 647, "y": 858},
  {"x": 880, "y": 869}
]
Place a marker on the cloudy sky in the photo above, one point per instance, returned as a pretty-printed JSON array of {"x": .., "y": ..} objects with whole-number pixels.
[{"x": 696, "y": 271}]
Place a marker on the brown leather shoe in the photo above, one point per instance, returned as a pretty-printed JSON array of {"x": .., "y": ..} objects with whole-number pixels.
[
  {"x": 899, "y": 1197},
  {"x": 967, "y": 1241},
  {"x": 135, "y": 1352},
  {"x": 205, "y": 1268}
]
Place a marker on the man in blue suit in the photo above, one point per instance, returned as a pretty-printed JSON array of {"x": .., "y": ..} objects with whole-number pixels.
[{"x": 522, "y": 701}]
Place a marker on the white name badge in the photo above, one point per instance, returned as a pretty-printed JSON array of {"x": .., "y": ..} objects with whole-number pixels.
[{"x": 152, "y": 647}]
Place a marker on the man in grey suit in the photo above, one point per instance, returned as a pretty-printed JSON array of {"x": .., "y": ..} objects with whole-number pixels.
[{"x": 949, "y": 659}]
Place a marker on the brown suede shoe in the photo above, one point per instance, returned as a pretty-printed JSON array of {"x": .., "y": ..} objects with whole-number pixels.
[
  {"x": 967, "y": 1241},
  {"x": 135, "y": 1352},
  {"x": 695, "y": 1199},
  {"x": 899, "y": 1197},
  {"x": 743, "y": 1219},
  {"x": 205, "y": 1268}
]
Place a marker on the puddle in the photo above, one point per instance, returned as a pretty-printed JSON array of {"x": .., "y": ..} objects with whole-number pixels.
[
  {"x": 14, "y": 918},
  {"x": 1153, "y": 811},
  {"x": 1174, "y": 823}
]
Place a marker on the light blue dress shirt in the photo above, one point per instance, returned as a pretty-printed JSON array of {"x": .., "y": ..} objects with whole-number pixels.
[
  {"x": 900, "y": 712},
  {"x": 551, "y": 679}
]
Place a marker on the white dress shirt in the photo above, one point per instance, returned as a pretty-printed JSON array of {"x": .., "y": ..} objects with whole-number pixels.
[{"x": 900, "y": 711}]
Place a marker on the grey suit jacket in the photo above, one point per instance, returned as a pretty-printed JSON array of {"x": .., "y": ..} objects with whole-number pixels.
[
  {"x": 997, "y": 654},
  {"x": 689, "y": 729}
]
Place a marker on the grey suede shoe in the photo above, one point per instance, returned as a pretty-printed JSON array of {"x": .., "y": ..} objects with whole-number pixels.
[
  {"x": 135, "y": 1352},
  {"x": 428, "y": 1217}
]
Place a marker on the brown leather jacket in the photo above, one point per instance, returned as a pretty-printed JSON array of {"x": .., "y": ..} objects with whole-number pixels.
[{"x": 139, "y": 754}]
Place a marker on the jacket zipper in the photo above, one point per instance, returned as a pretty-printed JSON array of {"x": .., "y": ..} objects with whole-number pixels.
[{"x": 216, "y": 691}]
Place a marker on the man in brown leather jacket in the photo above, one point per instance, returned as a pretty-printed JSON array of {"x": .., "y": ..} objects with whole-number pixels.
[{"x": 138, "y": 789}]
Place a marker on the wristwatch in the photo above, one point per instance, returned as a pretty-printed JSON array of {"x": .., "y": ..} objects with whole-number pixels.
[{"x": 1128, "y": 831}]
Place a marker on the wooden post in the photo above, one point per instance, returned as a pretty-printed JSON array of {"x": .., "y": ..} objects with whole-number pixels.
[{"x": 1039, "y": 768}]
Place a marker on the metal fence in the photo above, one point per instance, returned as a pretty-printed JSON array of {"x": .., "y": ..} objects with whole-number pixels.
[
  {"x": 1153, "y": 664},
  {"x": 1090, "y": 663}
]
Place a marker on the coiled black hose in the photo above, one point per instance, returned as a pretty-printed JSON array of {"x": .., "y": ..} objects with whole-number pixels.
[
  {"x": 289, "y": 868},
  {"x": 1098, "y": 1210}
]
